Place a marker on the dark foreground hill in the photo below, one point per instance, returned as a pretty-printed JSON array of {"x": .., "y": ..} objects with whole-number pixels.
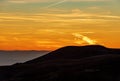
[{"x": 72, "y": 63}]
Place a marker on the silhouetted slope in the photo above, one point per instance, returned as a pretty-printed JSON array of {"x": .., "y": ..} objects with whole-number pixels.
[
  {"x": 74, "y": 52},
  {"x": 96, "y": 68},
  {"x": 86, "y": 63}
]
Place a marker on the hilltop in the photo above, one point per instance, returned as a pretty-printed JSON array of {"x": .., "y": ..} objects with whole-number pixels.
[{"x": 71, "y": 63}]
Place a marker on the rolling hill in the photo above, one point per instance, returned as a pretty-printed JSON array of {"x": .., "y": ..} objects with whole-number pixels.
[{"x": 71, "y": 63}]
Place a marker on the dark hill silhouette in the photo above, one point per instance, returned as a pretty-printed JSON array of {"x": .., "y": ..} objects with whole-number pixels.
[
  {"x": 71, "y": 63},
  {"x": 75, "y": 52}
]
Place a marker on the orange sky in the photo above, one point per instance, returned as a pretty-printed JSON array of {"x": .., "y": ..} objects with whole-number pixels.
[{"x": 48, "y": 25}]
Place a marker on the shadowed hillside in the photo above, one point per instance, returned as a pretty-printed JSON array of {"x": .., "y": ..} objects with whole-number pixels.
[
  {"x": 76, "y": 52},
  {"x": 71, "y": 63}
]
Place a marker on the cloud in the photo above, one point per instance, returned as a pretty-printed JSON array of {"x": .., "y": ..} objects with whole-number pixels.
[
  {"x": 35, "y": 1},
  {"x": 52, "y": 31},
  {"x": 83, "y": 38},
  {"x": 45, "y": 42},
  {"x": 57, "y": 3},
  {"x": 88, "y": 32},
  {"x": 76, "y": 17},
  {"x": 19, "y": 1}
]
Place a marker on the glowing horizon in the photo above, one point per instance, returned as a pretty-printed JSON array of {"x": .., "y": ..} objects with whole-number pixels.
[{"x": 51, "y": 24}]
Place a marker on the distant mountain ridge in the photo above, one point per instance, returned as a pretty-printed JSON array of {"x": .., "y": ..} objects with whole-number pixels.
[{"x": 71, "y": 63}]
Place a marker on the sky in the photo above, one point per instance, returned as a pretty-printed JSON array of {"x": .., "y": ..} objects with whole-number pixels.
[{"x": 51, "y": 24}]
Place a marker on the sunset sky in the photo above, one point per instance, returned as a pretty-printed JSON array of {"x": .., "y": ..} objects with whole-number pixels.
[{"x": 51, "y": 24}]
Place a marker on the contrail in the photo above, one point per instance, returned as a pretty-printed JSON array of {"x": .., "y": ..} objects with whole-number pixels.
[
  {"x": 84, "y": 38},
  {"x": 51, "y": 5}
]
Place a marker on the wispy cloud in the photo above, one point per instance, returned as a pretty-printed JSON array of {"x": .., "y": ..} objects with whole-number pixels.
[
  {"x": 83, "y": 38},
  {"x": 57, "y": 17},
  {"x": 59, "y": 1}
]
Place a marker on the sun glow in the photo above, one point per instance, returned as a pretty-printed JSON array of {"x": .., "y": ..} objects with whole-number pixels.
[{"x": 50, "y": 24}]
